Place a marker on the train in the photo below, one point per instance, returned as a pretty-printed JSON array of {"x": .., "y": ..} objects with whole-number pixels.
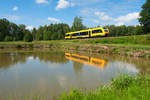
[{"x": 89, "y": 33}]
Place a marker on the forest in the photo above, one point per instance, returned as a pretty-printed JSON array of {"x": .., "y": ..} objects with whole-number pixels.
[{"x": 10, "y": 31}]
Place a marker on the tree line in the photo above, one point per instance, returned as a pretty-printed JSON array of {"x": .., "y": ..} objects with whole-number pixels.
[
  {"x": 9, "y": 31},
  {"x": 125, "y": 30}
]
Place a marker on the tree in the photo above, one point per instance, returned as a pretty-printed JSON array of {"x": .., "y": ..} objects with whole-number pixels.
[
  {"x": 145, "y": 17},
  {"x": 28, "y": 36},
  {"x": 4, "y": 28},
  {"x": 21, "y": 32},
  {"x": 13, "y": 31},
  {"x": 77, "y": 24},
  {"x": 1, "y": 36},
  {"x": 39, "y": 35},
  {"x": 138, "y": 30},
  {"x": 34, "y": 31},
  {"x": 47, "y": 35}
]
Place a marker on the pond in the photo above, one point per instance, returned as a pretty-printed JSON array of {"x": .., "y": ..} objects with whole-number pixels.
[{"x": 49, "y": 73}]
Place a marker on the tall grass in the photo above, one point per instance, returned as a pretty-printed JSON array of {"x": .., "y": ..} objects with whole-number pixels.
[
  {"x": 143, "y": 39},
  {"x": 123, "y": 88}
]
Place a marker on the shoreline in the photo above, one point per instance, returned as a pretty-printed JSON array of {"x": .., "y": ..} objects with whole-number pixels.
[
  {"x": 134, "y": 46},
  {"x": 119, "y": 49},
  {"x": 122, "y": 88}
]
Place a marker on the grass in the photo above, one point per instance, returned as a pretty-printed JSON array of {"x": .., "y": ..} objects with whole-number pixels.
[
  {"x": 122, "y": 88},
  {"x": 138, "y": 40},
  {"x": 137, "y": 46}
]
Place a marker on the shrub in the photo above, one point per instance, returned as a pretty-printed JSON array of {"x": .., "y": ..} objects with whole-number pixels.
[{"x": 8, "y": 38}]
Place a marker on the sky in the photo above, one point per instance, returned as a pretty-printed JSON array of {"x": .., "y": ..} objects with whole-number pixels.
[{"x": 34, "y": 13}]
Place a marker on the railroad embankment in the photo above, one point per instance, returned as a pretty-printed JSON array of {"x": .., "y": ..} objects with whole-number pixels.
[{"x": 136, "y": 46}]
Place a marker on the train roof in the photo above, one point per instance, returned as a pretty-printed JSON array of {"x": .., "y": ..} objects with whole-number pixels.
[{"x": 84, "y": 30}]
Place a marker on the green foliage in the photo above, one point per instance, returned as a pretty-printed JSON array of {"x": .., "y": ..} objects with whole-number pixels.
[
  {"x": 1, "y": 36},
  {"x": 122, "y": 82},
  {"x": 8, "y": 38},
  {"x": 47, "y": 35},
  {"x": 148, "y": 37},
  {"x": 122, "y": 88},
  {"x": 141, "y": 39},
  {"x": 10, "y": 31},
  {"x": 125, "y": 30},
  {"x": 39, "y": 35},
  {"x": 52, "y": 32},
  {"x": 145, "y": 16},
  {"x": 28, "y": 37},
  {"x": 34, "y": 31},
  {"x": 77, "y": 24}
]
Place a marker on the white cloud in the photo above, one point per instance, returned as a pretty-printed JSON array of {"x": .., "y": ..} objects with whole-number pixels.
[
  {"x": 127, "y": 18},
  {"x": 64, "y": 4},
  {"x": 103, "y": 16},
  {"x": 87, "y": 2},
  {"x": 15, "y": 8},
  {"x": 29, "y": 27},
  {"x": 41, "y": 1},
  {"x": 121, "y": 20},
  {"x": 53, "y": 19}
]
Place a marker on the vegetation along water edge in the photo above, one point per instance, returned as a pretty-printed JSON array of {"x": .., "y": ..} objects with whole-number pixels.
[
  {"x": 125, "y": 87},
  {"x": 136, "y": 46}
]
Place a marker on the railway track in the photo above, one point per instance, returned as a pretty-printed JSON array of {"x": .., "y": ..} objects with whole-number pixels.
[
  {"x": 96, "y": 38},
  {"x": 102, "y": 37}
]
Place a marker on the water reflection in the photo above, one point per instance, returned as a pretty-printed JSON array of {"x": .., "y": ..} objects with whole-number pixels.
[
  {"x": 100, "y": 63},
  {"x": 9, "y": 59},
  {"x": 49, "y": 73}
]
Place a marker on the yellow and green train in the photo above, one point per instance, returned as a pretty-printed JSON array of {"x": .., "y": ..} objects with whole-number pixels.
[{"x": 89, "y": 33}]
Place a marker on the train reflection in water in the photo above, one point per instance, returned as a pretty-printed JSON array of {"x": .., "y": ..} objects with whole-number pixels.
[{"x": 100, "y": 63}]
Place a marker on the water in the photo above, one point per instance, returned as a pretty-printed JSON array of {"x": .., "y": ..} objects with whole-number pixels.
[{"x": 48, "y": 73}]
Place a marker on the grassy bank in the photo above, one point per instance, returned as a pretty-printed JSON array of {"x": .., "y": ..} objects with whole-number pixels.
[
  {"x": 137, "y": 46},
  {"x": 122, "y": 88}
]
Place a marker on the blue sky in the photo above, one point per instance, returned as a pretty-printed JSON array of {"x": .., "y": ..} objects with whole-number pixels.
[{"x": 34, "y": 13}]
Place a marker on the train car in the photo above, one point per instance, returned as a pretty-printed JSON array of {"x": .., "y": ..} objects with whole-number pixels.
[{"x": 89, "y": 33}]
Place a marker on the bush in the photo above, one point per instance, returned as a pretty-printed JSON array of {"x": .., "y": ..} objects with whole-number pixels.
[
  {"x": 123, "y": 82},
  {"x": 8, "y": 38}
]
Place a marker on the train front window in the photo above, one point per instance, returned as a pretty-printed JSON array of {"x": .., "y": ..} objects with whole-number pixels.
[{"x": 106, "y": 30}]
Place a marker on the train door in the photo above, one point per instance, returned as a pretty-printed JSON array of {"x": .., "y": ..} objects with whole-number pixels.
[{"x": 89, "y": 33}]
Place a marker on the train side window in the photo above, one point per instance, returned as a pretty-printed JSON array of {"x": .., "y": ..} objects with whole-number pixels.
[
  {"x": 97, "y": 31},
  {"x": 84, "y": 33},
  {"x": 67, "y": 35},
  {"x": 76, "y": 34}
]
